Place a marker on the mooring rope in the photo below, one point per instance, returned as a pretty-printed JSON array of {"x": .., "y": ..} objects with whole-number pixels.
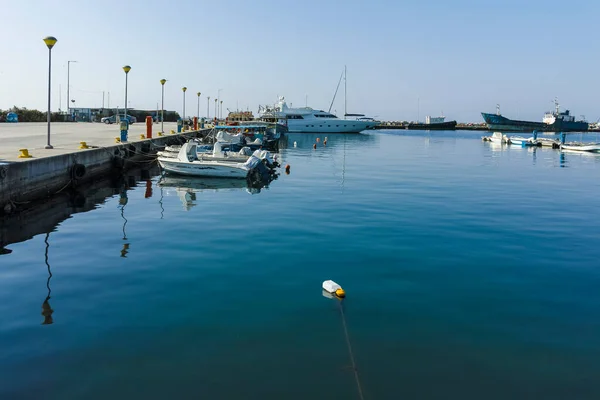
[{"x": 352, "y": 360}]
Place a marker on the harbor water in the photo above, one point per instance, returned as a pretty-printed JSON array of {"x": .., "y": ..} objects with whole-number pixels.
[{"x": 471, "y": 272}]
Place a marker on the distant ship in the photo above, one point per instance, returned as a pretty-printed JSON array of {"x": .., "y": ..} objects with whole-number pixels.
[
  {"x": 433, "y": 123},
  {"x": 553, "y": 122}
]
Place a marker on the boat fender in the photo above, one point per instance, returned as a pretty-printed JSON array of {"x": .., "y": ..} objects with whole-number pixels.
[
  {"x": 287, "y": 169},
  {"x": 77, "y": 171},
  {"x": 333, "y": 288}
]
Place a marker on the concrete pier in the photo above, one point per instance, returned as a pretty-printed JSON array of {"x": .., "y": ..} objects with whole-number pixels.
[{"x": 49, "y": 171}]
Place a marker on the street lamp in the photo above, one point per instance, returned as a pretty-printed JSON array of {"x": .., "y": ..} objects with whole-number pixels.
[
  {"x": 162, "y": 109},
  {"x": 50, "y": 42},
  {"x": 126, "y": 68},
  {"x": 198, "y": 113},
  {"x": 221, "y": 109},
  {"x": 184, "y": 89},
  {"x": 68, "y": 85},
  {"x": 207, "y": 109},
  {"x": 218, "y": 115}
]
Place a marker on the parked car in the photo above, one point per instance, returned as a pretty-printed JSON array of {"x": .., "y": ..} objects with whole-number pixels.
[{"x": 112, "y": 119}]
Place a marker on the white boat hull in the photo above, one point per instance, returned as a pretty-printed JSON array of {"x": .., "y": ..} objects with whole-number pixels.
[
  {"x": 212, "y": 169},
  {"x": 329, "y": 126},
  {"x": 590, "y": 148}
]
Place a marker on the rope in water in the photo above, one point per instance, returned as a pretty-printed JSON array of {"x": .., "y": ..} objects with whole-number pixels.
[{"x": 352, "y": 360}]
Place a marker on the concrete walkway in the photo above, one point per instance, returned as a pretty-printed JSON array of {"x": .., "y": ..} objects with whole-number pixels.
[{"x": 65, "y": 137}]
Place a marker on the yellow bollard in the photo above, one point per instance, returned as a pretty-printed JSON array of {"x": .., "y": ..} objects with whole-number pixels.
[
  {"x": 160, "y": 134},
  {"x": 172, "y": 131},
  {"x": 24, "y": 153},
  {"x": 117, "y": 140},
  {"x": 83, "y": 145},
  {"x": 142, "y": 136}
]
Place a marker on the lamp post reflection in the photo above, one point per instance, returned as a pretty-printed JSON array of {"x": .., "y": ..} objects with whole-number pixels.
[
  {"x": 47, "y": 310},
  {"x": 122, "y": 203}
]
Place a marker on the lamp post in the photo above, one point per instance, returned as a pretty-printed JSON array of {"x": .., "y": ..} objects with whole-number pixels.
[
  {"x": 126, "y": 68},
  {"x": 207, "y": 109},
  {"x": 221, "y": 109},
  {"x": 184, "y": 89},
  {"x": 50, "y": 42},
  {"x": 68, "y": 85},
  {"x": 198, "y": 113},
  {"x": 216, "y": 115},
  {"x": 162, "y": 109}
]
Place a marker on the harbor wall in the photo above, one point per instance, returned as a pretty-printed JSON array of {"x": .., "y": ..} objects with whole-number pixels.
[{"x": 31, "y": 180}]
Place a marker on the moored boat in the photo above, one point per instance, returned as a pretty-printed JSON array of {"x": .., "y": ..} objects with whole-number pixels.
[
  {"x": 556, "y": 121},
  {"x": 259, "y": 165}
]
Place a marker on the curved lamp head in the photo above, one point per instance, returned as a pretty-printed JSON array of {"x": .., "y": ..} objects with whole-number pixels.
[
  {"x": 184, "y": 89},
  {"x": 127, "y": 68},
  {"x": 163, "y": 81},
  {"x": 198, "y": 94},
  {"x": 50, "y": 41}
]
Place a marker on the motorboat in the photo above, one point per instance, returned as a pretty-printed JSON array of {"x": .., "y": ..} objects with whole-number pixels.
[
  {"x": 523, "y": 142},
  {"x": 497, "y": 137},
  {"x": 259, "y": 165}
]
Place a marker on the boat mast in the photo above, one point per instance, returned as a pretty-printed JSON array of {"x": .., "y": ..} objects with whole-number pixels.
[
  {"x": 336, "y": 90},
  {"x": 345, "y": 94}
]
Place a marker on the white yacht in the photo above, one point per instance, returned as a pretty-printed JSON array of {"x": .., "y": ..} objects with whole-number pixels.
[{"x": 309, "y": 120}]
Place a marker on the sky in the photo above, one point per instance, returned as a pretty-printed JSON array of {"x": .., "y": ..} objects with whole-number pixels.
[{"x": 405, "y": 59}]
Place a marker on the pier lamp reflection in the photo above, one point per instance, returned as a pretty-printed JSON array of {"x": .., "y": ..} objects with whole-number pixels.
[
  {"x": 122, "y": 203},
  {"x": 47, "y": 310}
]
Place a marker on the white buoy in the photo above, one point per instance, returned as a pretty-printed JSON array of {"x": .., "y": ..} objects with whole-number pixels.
[
  {"x": 333, "y": 288},
  {"x": 295, "y": 144}
]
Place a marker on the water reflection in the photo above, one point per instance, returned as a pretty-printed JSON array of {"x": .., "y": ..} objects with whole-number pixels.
[
  {"x": 186, "y": 188},
  {"x": 47, "y": 310},
  {"x": 44, "y": 216}
]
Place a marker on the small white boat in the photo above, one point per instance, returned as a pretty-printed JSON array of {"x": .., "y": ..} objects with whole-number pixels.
[
  {"x": 497, "y": 137},
  {"x": 523, "y": 142},
  {"x": 589, "y": 147},
  {"x": 187, "y": 162}
]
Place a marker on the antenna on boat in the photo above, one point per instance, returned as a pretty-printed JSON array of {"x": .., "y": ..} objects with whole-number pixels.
[
  {"x": 336, "y": 90},
  {"x": 497, "y": 109}
]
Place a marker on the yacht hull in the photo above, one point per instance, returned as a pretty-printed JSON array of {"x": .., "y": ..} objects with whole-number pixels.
[{"x": 331, "y": 126}]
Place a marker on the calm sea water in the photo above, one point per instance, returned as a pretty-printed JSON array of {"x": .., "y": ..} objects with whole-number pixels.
[{"x": 472, "y": 271}]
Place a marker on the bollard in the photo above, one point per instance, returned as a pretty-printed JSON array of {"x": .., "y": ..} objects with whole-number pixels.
[
  {"x": 195, "y": 123},
  {"x": 160, "y": 133},
  {"x": 117, "y": 140},
  {"x": 83, "y": 145},
  {"x": 24, "y": 153},
  {"x": 124, "y": 128},
  {"x": 172, "y": 132},
  {"x": 142, "y": 136},
  {"x": 149, "y": 127}
]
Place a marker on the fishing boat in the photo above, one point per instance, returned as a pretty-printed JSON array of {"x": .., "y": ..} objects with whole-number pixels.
[
  {"x": 524, "y": 142},
  {"x": 587, "y": 147},
  {"x": 258, "y": 166}
]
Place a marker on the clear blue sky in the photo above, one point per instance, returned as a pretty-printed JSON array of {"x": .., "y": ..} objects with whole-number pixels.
[{"x": 404, "y": 58}]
